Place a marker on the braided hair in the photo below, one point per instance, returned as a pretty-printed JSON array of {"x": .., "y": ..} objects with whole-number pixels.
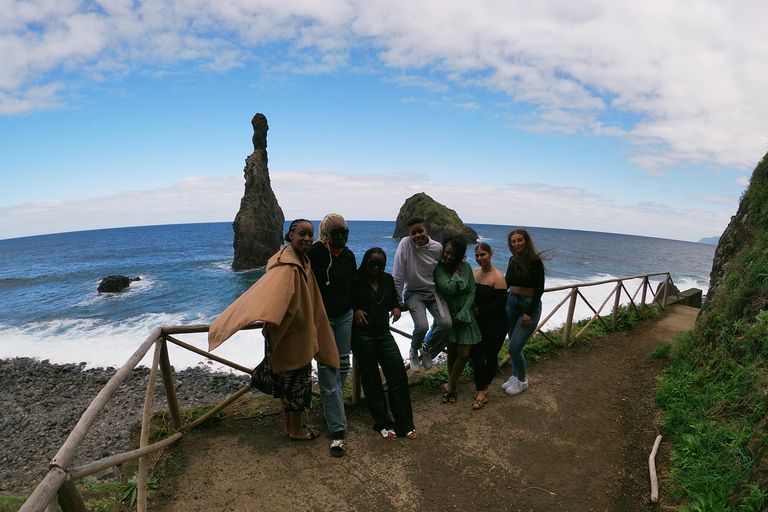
[{"x": 292, "y": 227}]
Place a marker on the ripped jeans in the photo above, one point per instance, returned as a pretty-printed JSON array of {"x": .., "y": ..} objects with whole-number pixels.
[
  {"x": 518, "y": 335},
  {"x": 331, "y": 380}
]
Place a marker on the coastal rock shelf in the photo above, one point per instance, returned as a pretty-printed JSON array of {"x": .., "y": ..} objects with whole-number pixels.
[{"x": 40, "y": 403}]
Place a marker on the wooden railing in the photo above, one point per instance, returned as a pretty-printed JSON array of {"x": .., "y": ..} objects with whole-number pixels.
[{"x": 58, "y": 485}]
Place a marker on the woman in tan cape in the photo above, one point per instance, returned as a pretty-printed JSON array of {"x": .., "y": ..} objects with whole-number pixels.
[{"x": 296, "y": 329}]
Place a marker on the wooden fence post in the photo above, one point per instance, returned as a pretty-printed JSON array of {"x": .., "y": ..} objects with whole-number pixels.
[
  {"x": 569, "y": 318},
  {"x": 666, "y": 290},
  {"x": 642, "y": 299},
  {"x": 616, "y": 300},
  {"x": 69, "y": 499},
  {"x": 170, "y": 387}
]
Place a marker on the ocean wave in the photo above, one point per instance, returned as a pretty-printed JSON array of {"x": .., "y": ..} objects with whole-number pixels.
[{"x": 101, "y": 343}]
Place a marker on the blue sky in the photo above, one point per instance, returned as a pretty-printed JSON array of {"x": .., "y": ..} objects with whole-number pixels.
[{"x": 642, "y": 118}]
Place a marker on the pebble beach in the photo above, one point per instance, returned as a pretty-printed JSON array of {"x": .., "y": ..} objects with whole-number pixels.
[{"x": 41, "y": 402}]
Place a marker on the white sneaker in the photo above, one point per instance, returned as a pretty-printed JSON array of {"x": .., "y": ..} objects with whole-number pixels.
[
  {"x": 415, "y": 367},
  {"x": 510, "y": 381},
  {"x": 517, "y": 388},
  {"x": 426, "y": 359}
]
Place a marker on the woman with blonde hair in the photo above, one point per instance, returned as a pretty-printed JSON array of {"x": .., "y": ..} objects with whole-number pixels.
[{"x": 333, "y": 265}]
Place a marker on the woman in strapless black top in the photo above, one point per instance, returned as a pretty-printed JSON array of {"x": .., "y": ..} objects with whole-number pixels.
[{"x": 490, "y": 303}]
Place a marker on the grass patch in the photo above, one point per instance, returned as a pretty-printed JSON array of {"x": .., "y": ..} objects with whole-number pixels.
[{"x": 11, "y": 503}]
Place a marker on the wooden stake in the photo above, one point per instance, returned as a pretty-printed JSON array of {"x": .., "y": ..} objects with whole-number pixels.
[{"x": 652, "y": 470}]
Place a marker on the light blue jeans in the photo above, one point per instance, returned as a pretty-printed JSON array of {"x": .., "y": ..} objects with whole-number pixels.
[
  {"x": 418, "y": 302},
  {"x": 331, "y": 380},
  {"x": 518, "y": 335}
]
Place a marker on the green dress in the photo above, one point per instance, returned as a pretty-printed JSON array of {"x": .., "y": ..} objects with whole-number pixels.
[{"x": 458, "y": 290}]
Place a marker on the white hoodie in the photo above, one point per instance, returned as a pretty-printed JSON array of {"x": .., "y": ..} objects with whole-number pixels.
[{"x": 414, "y": 265}]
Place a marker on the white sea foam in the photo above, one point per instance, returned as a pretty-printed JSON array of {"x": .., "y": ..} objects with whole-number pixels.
[{"x": 101, "y": 344}]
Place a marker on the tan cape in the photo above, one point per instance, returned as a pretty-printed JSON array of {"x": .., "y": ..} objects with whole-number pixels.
[{"x": 288, "y": 300}]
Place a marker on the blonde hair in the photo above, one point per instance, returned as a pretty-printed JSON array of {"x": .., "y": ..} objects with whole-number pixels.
[{"x": 325, "y": 236}]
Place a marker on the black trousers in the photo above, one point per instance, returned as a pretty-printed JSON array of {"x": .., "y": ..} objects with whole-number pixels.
[
  {"x": 370, "y": 352},
  {"x": 485, "y": 355}
]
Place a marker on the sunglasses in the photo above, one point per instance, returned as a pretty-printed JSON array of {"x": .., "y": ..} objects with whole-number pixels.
[
  {"x": 339, "y": 233},
  {"x": 376, "y": 264}
]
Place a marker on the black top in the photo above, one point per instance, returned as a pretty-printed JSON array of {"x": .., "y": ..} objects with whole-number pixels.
[
  {"x": 489, "y": 301},
  {"x": 377, "y": 304},
  {"x": 334, "y": 277},
  {"x": 534, "y": 278}
]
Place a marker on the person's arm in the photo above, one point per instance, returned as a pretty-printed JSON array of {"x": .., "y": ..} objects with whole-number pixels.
[
  {"x": 399, "y": 266},
  {"x": 465, "y": 313},
  {"x": 358, "y": 292},
  {"x": 450, "y": 284},
  {"x": 537, "y": 267}
]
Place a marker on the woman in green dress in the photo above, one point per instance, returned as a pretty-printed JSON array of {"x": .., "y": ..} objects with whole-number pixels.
[{"x": 456, "y": 284}]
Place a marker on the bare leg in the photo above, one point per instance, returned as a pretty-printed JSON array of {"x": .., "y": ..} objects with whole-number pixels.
[
  {"x": 295, "y": 430},
  {"x": 462, "y": 354}
]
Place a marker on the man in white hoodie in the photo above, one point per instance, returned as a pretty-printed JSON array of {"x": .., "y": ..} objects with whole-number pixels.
[{"x": 415, "y": 260}]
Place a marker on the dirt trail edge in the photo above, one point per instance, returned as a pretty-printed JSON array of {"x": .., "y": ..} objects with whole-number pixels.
[{"x": 577, "y": 440}]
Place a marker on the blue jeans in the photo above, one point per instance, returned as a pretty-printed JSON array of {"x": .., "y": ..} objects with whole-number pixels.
[
  {"x": 331, "y": 380},
  {"x": 518, "y": 335},
  {"x": 418, "y": 303}
]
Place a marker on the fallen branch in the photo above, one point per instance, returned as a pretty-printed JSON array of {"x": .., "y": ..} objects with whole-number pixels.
[{"x": 652, "y": 469}]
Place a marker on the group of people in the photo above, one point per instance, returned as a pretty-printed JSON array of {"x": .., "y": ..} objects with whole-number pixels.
[{"x": 316, "y": 303}]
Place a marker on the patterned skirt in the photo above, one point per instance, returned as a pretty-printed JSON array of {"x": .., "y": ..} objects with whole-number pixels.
[{"x": 294, "y": 387}]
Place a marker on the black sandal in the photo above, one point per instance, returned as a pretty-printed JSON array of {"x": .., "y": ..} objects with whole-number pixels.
[
  {"x": 449, "y": 397},
  {"x": 310, "y": 435}
]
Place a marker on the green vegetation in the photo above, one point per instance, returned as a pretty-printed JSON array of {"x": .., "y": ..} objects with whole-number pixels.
[
  {"x": 11, "y": 503},
  {"x": 714, "y": 392},
  {"x": 130, "y": 490}
]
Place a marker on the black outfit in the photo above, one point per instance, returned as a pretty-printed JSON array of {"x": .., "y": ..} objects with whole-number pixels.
[
  {"x": 534, "y": 278},
  {"x": 373, "y": 345},
  {"x": 492, "y": 319},
  {"x": 334, "y": 277}
]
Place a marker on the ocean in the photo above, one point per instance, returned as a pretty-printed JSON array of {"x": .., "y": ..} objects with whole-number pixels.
[{"x": 50, "y": 307}]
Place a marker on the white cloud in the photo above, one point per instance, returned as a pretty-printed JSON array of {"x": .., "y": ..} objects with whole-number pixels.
[
  {"x": 732, "y": 201},
  {"x": 692, "y": 72},
  {"x": 360, "y": 197}
]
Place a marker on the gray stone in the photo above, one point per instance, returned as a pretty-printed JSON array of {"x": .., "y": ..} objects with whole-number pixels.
[{"x": 258, "y": 225}]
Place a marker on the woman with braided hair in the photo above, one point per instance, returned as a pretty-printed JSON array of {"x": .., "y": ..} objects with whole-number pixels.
[
  {"x": 296, "y": 328},
  {"x": 333, "y": 265}
]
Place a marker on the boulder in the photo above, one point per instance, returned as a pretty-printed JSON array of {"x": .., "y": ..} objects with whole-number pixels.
[
  {"x": 116, "y": 283},
  {"x": 258, "y": 225},
  {"x": 440, "y": 221}
]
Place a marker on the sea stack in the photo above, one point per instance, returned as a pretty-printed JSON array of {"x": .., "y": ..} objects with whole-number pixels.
[
  {"x": 441, "y": 222},
  {"x": 259, "y": 223}
]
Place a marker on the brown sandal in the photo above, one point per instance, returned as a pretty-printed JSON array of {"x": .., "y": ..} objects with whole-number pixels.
[{"x": 479, "y": 403}]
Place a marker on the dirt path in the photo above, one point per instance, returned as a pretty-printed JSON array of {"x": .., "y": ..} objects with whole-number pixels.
[{"x": 577, "y": 440}]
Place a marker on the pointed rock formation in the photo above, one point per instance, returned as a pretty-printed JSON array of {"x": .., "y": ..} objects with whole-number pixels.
[
  {"x": 441, "y": 222},
  {"x": 259, "y": 223}
]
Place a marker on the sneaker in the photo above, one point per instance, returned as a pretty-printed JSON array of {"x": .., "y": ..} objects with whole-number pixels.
[
  {"x": 415, "y": 367},
  {"x": 338, "y": 448},
  {"x": 517, "y": 388},
  {"x": 426, "y": 359},
  {"x": 510, "y": 381}
]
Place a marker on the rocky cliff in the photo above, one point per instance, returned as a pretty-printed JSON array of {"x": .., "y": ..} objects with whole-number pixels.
[
  {"x": 441, "y": 222},
  {"x": 259, "y": 223}
]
